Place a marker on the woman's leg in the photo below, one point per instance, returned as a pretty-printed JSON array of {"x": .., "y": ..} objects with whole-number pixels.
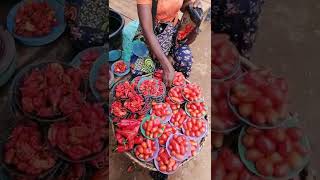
[{"x": 182, "y": 57}]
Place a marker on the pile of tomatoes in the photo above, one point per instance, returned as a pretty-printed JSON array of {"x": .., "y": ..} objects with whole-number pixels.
[
  {"x": 51, "y": 91},
  {"x": 162, "y": 125},
  {"x": 261, "y": 98},
  {"x": 35, "y": 19},
  {"x": 120, "y": 67},
  {"x": 26, "y": 151},
  {"x": 83, "y": 135},
  {"x": 224, "y": 57},
  {"x": 275, "y": 152}
]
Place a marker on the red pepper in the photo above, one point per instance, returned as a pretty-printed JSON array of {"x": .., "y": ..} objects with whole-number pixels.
[
  {"x": 130, "y": 144},
  {"x": 128, "y": 133},
  {"x": 121, "y": 148},
  {"x": 138, "y": 140},
  {"x": 128, "y": 124},
  {"x": 120, "y": 139}
]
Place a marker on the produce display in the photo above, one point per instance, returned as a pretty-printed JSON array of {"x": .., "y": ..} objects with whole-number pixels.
[
  {"x": 35, "y": 19},
  {"x": 270, "y": 144},
  {"x": 275, "y": 152},
  {"x": 261, "y": 98},
  {"x": 50, "y": 91},
  {"x": 154, "y": 136},
  {"x": 26, "y": 152}
]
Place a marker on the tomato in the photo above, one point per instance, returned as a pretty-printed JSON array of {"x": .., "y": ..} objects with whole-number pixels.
[
  {"x": 285, "y": 148},
  {"x": 177, "y": 146},
  {"x": 294, "y": 133},
  {"x": 175, "y": 94},
  {"x": 265, "y": 145},
  {"x": 264, "y": 167},
  {"x": 192, "y": 92},
  {"x": 253, "y": 154},
  {"x": 295, "y": 160},
  {"x": 248, "y": 141},
  {"x": 278, "y": 135},
  {"x": 245, "y": 110},
  {"x": 179, "y": 79},
  {"x": 281, "y": 170},
  {"x": 233, "y": 163}
]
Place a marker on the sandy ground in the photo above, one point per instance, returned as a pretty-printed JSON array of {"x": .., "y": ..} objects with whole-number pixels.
[
  {"x": 200, "y": 167},
  {"x": 288, "y": 42}
]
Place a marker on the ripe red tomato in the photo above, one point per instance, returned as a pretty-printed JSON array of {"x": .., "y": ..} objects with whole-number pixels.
[
  {"x": 248, "y": 141},
  {"x": 265, "y": 145},
  {"x": 253, "y": 154},
  {"x": 264, "y": 167}
]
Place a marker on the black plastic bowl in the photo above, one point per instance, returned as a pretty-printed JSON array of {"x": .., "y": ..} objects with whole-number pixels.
[{"x": 116, "y": 24}]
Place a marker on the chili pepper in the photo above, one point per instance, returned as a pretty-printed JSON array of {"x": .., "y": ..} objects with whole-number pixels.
[
  {"x": 128, "y": 133},
  {"x": 138, "y": 140},
  {"x": 128, "y": 123},
  {"x": 130, "y": 144},
  {"x": 120, "y": 139},
  {"x": 121, "y": 148}
]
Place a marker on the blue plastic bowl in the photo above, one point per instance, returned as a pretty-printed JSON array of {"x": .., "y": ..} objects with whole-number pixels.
[
  {"x": 114, "y": 55},
  {"x": 140, "y": 49},
  {"x": 38, "y": 41},
  {"x": 121, "y": 74}
]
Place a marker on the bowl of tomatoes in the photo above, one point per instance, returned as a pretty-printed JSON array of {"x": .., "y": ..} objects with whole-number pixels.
[
  {"x": 25, "y": 153},
  {"x": 151, "y": 127},
  {"x": 274, "y": 153},
  {"x": 120, "y": 68},
  {"x": 260, "y": 99},
  {"x": 48, "y": 91},
  {"x": 36, "y": 22},
  {"x": 83, "y": 137}
]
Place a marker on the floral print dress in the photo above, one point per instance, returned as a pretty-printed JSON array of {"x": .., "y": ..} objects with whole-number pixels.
[{"x": 239, "y": 19}]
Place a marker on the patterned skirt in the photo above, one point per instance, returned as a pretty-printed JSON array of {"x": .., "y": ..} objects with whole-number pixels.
[
  {"x": 182, "y": 55},
  {"x": 239, "y": 19}
]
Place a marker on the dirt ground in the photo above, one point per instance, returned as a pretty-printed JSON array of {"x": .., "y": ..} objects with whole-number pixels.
[
  {"x": 288, "y": 42},
  {"x": 200, "y": 167}
]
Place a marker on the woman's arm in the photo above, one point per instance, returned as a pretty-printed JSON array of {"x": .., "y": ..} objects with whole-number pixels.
[{"x": 145, "y": 17}]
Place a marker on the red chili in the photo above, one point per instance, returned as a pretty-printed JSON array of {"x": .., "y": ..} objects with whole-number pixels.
[
  {"x": 120, "y": 139},
  {"x": 138, "y": 140},
  {"x": 128, "y": 124}
]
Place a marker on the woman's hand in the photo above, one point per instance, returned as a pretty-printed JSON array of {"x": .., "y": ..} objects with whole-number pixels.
[{"x": 168, "y": 73}]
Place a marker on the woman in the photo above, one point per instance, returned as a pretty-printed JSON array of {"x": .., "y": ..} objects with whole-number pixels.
[
  {"x": 159, "y": 33},
  {"x": 238, "y": 19}
]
